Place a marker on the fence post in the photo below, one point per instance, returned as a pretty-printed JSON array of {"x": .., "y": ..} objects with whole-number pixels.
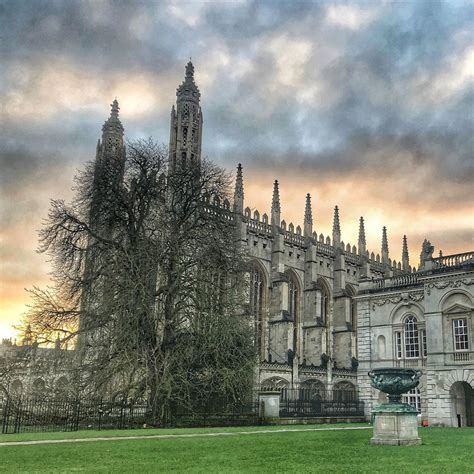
[
  {"x": 120, "y": 427},
  {"x": 16, "y": 428},
  {"x": 269, "y": 406},
  {"x": 77, "y": 415},
  {"x": 6, "y": 414}
]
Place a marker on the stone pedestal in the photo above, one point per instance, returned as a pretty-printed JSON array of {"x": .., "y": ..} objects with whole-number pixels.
[
  {"x": 395, "y": 424},
  {"x": 269, "y": 405}
]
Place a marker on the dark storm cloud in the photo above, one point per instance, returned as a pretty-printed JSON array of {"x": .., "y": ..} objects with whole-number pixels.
[{"x": 372, "y": 99}]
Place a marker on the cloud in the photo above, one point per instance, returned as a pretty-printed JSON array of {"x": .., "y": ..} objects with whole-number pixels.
[
  {"x": 349, "y": 16},
  {"x": 366, "y": 106}
]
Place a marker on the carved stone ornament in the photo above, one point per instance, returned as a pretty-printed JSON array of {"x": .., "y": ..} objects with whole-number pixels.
[
  {"x": 406, "y": 298},
  {"x": 441, "y": 285}
]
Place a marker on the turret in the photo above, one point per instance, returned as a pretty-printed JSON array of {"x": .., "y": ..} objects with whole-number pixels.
[
  {"x": 239, "y": 191},
  {"x": 362, "y": 242},
  {"x": 112, "y": 132},
  {"x": 308, "y": 217},
  {"x": 336, "y": 229},
  {"x": 186, "y": 123},
  {"x": 405, "y": 257},
  {"x": 276, "y": 210},
  {"x": 384, "y": 246}
]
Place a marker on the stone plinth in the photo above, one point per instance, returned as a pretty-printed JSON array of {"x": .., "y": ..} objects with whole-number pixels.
[
  {"x": 269, "y": 403},
  {"x": 395, "y": 424}
]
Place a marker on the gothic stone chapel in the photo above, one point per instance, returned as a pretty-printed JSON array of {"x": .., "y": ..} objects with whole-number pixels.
[{"x": 327, "y": 312}]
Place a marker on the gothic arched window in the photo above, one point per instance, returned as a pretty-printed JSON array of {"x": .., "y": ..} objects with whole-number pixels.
[
  {"x": 293, "y": 297},
  {"x": 352, "y": 307},
  {"x": 412, "y": 338},
  {"x": 256, "y": 302},
  {"x": 324, "y": 303},
  {"x": 293, "y": 306}
]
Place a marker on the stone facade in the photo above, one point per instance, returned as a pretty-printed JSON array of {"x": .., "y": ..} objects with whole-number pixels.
[{"x": 424, "y": 321}]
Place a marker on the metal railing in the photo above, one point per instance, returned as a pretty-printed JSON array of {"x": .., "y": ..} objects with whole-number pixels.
[
  {"x": 310, "y": 402},
  {"x": 32, "y": 415}
]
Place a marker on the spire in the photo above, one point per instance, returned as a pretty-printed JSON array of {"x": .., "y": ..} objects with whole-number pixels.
[
  {"x": 405, "y": 257},
  {"x": 188, "y": 90},
  {"x": 239, "y": 191},
  {"x": 362, "y": 242},
  {"x": 111, "y": 144},
  {"x": 384, "y": 245},
  {"x": 308, "y": 217},
  {"x": 276, "y": 210},
  {"x": 186, "y": 123},
  {"x": 336, "y": 228},
  {"x": 114, "y": 113},
  {"x": 190, "y": 71},
  {"x": 112, "y": 130}
]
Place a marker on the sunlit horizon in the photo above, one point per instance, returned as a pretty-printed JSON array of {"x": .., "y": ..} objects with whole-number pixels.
[{"x": 367, "y": 106}]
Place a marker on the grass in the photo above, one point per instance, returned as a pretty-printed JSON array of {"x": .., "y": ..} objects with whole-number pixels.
[{"x": 443, "y": 450}]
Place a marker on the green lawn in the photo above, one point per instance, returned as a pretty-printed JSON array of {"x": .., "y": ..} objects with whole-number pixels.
[{"x": 443, "y": 450}]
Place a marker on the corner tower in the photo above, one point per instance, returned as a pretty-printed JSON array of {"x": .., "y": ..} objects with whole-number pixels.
[
  {"x": 109, "y": 167},
  {"x": 186, "y": 123}
]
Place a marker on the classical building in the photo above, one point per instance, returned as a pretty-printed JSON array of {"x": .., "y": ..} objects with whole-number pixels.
[{"x": 424, "y": 321}]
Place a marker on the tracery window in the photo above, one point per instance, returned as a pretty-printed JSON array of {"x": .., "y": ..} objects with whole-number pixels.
[
  {"x": 293, "y": 298},
  {"x": 324, "y": 305},
  {"x": 461, "y": 339},
  {"x": 344, "y": 392},
  {"x": 412, "y": 338},
  {"x": 293, "y": 303},
  {"x": 256, "y": 296}
]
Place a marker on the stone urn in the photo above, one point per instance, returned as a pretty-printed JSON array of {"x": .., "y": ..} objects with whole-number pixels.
[{"x": 395, "y": 423}]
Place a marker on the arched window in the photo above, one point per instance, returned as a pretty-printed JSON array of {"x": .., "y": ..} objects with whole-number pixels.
[
  {"x": 352, "y": 308},
  {"x": 293, "y": 297},
  {"x": 312, "y": 390},
  {"x": 293, "y": 305},
  {"x": 323, "y": 303},
  {"x": 274, "y": 383},
  {"x": 38, "y": 388},
  {"x": 256, "y": 302},
  {"x": 412, "y": 338},
  {"x": 345, "y": 392}
]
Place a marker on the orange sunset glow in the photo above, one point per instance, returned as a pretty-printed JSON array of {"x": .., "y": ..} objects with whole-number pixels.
[{"x": 301, "y": 94}]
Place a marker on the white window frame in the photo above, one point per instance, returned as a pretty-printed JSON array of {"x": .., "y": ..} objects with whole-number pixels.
[
  {"x": 465, "y": 333},
  {"x": 414, "y": 339},
  {"x": 413, "y": 398},
  {"x": 424, "y": 349},
  {"x": 399, "y": 344}
]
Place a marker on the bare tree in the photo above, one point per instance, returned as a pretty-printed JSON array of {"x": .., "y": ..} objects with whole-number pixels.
[{"x": 148, "y": 280}]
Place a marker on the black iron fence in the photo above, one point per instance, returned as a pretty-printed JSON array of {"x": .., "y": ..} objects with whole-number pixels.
[
  {"x": 30, "y": 415},
  {"x": 22, "y": 415},
  {"x": 307, "y": 402}
]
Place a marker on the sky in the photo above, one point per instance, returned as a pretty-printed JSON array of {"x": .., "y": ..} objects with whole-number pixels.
[{"x": 367, "y": 105}]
